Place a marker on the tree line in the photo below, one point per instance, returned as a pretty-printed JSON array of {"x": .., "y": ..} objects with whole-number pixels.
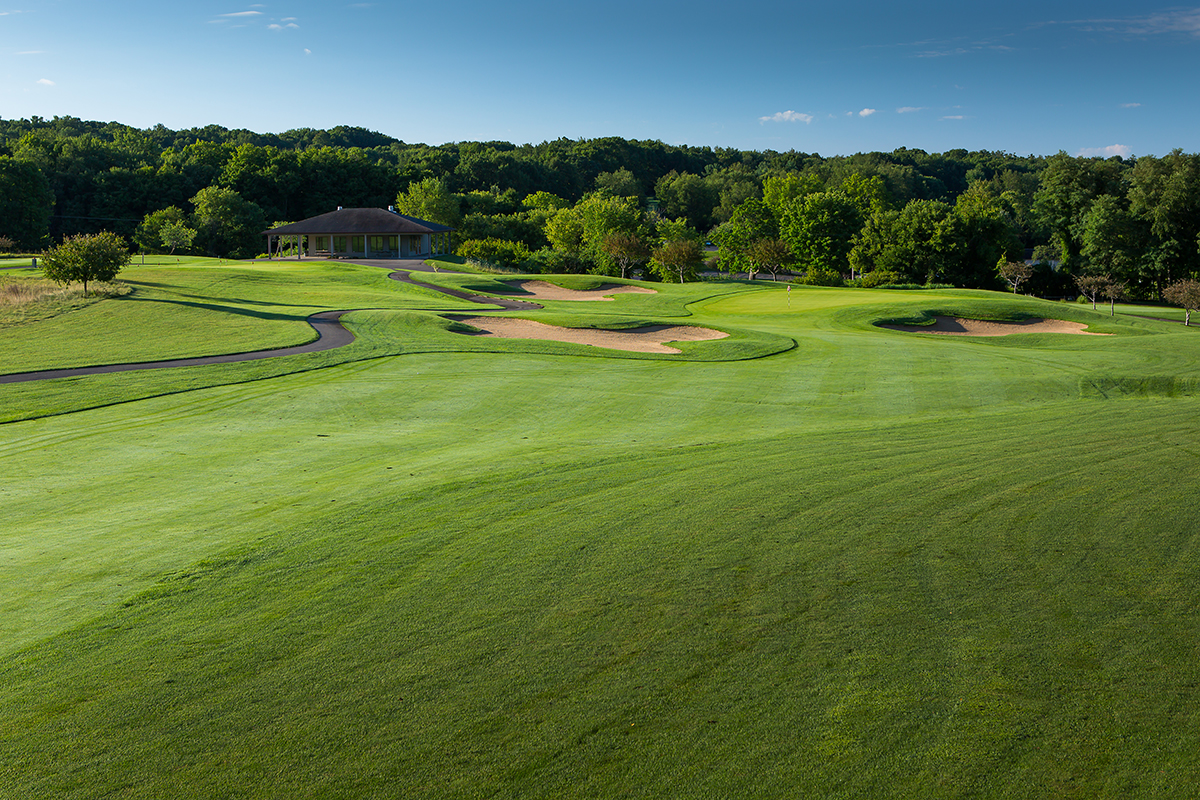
[{"x": 614, "y": 205}]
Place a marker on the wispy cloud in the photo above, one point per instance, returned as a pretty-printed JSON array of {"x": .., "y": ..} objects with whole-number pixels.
[
  {"x": 242, "y": 14},
  {"x": 31, "y": 52},
  {"x": 866, "y": 112},
  {"x": 787, "y": 116},
  {"x": 1131, "y": 105},
  {"x": 275, "y": 27},
  {"x": 307, "y": 52},
  {"x": 909, "y": 109},
  {"x": 1177, "y": 20},
  {"x": 1112, "y": 150},
  {"x": 955, "y": 116},
  {"x": 46, "y": 82}
]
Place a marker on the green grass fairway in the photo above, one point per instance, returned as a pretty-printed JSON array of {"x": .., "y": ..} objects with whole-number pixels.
[{"x": 816, "y": 559}]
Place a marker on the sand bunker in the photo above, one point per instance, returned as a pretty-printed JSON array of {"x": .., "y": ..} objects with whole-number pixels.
[
  {"x": 543, "y": 290},
  {"x": 647, "y": 339},
  {"x": 956, "y": 326}
]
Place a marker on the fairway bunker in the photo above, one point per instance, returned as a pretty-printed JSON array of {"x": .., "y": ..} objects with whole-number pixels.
[
  {"x": 544, "y": 290},
  {"x": 957, "y": 326},
  {"x": 646, "y": 339}
]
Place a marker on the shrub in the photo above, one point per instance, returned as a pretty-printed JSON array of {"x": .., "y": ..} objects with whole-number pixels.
[
  {"x": 498, "y": 253},
  {"x": 822, "y": 277},
  {"x": 878, "y": 277}
]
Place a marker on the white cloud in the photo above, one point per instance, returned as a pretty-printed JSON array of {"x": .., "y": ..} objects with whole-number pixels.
[
  {"x": 866, "y": 112},
  {"x": 955, "y": 116},
  {"x": 242, "y": 14},
  {"x": 31, "y": 52},
  {"x": 1131, "y": 105},
  {"x": 1112, "y": 150},
  {"x": 909, "y": 109},
  {"x": 787, "y": 116},
  {"x": 275, "y": 27},
  {"x": 307, "y": 52},
  {"x": 46, "y": 82}
]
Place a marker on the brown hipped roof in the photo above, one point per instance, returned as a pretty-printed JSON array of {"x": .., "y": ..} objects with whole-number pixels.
[{"x": 359, "y": 221}]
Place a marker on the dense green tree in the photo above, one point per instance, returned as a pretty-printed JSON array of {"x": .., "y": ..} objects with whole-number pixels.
[
  {"x": 86, "y": 258},
  {"x": 148, "y": 235},
  {"x": 621, "y": 183},
  {"x": 430, "y": 200},
  {"x": 1115, "y": 242},
  {"x": 779, "y": 191},
  {"x": 820, "y": 228},
  {"x": 25, "y": 203},
  {"x": 1069, "y": 186},
  {"x": 921, "y": 242},
  {"x": 1164, "y": 193},
  {"x": 750, "y": 222},
  {"x": 987, "y": 235},
  {"x": 688, "y": 196},
  {"x": 227, "y": 225}
]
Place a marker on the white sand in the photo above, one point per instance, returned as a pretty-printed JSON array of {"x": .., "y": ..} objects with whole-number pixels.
[
  {"x": 647, "y": 339},
  {"x": 956, "y": 326},
  {"x": 543, "y": 290}
]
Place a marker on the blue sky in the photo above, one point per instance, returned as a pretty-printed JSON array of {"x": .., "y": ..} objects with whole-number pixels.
[{"x": 832, "y": 78}]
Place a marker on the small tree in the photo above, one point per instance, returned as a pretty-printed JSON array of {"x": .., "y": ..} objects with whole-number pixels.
[
  {"x": 1114, "y": 291},
  {"x": 770, "y": 255},
  {"x": 678, "y": 259},
  {"x": 176, "y": 234},
  {"x": 626, "y": 249},
  {"x": 83, "y": 258},
  {"x": 6, "y": 244},
  {"x": 1186, "y": 295},
  {"x": 1092, "y": 286},
  {"x": 1015, "y": 272}
]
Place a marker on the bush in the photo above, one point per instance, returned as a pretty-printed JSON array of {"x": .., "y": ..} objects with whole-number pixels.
[
  {"x": 822, "y": 277},
  {"x": 498, "y": 253},
  {"x": 878, "y": 277}
]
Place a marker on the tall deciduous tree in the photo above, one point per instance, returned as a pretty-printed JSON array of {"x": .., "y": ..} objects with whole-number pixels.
[
  {"x": 25, "y": 203},
  {"x": 820, "y": 228},
  {"x": 430, "y": 200},
  {"x": 86, "y": 258},
  {"x": 1069, "y": 187},
  {"x": 225, "y": 224},
  {"x": 148, "y": 235}
]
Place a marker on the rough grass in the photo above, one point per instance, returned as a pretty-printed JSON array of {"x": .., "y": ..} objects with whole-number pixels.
[
  {"x": 27, "y": 299},
  {"x": 871, "y": 565}
]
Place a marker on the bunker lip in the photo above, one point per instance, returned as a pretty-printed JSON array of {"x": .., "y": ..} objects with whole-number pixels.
[
  {"x": 960, "y": 326},
  {"x": 646, "y": 339},
  {"x": 544, "y": 290}
]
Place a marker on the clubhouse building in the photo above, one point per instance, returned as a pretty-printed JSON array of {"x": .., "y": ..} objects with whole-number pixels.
[{"x": 360, "y": 233}]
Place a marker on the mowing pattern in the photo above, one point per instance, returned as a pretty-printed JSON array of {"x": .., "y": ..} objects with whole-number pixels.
[{"x": 870, "y": 565}]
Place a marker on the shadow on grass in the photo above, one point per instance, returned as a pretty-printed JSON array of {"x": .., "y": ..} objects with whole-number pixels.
[{"x": 245, "y": 312}]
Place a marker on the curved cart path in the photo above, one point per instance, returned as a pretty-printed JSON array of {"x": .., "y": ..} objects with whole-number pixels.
[
  {"x": 331, "y": 334},
  {"x": 503, "y": 302}
]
